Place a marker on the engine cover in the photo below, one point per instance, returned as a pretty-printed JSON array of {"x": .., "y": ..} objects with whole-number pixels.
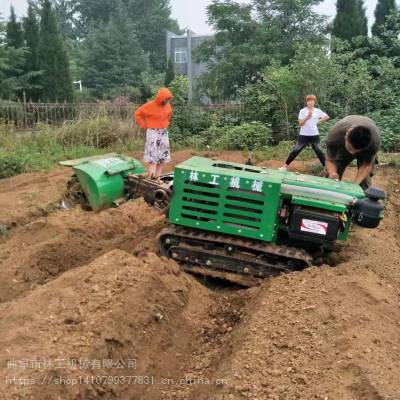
[{"x": 317, "y": 226}]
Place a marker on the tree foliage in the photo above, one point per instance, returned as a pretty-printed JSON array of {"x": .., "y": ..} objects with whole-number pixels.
[
  {"x": 289, "y": 22},
  {"x": 251, "y": 36},
  {"x": 112, "y": 56},
  {"x": 361, "y": 80},
  {"x": 350, "y": 20},
  {"x": 32, "y": 39},
  {"x": 267, "y": 54},
  {"x": 169, "y": 73},
  {"x": 16, "y": 77},
  {"x": 383, "y": 9},
  {"x": 14, "y": 35},
  {"x": 56, "y": 79},
  {"x": 12, "y": 80},
  {"x": 151, "y": 19},
  {"x": 68, "y": 22}
]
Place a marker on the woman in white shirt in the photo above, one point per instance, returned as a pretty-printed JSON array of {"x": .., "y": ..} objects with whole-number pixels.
[{"x": 309, "y": 118}]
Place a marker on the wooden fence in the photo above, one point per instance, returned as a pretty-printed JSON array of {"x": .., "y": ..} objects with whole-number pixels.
[
  {"x": 27, "y": 114},
  {"x": 24, "y": 115}
]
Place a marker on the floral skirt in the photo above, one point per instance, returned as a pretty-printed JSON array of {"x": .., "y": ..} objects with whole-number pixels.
[{"x": 157, "y": 149}]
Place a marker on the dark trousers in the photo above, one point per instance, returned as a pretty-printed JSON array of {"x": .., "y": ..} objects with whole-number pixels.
[
  {"x": 344, "y": 162},
  {"x": 304, "y": 141}
]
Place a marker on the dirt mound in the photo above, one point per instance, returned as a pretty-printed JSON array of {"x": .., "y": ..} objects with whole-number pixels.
[
  {"x": 26, "y": 197},
  {"x": 47, "y": 247},
  {"x": 118, "y": 316},
  {"x": 321, "y": 334}
]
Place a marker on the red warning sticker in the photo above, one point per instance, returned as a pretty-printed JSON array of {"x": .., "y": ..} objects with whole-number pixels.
[{"x": 318, "y": 227}]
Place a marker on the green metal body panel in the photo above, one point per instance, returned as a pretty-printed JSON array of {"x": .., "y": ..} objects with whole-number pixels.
[
  {"x": 345, "y": 234},
  {"x": 325, "y": 205},
  {"x": 79, "y": 161},
  {"x": 244, "y": 201},
  {"x": 102, "y": 178},
  {"x": 316, "y": 182}
]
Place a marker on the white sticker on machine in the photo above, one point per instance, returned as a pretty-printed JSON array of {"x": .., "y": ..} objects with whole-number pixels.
[
  {"x": 318, "y": 227},
  {"x": 108, "y": 162}
]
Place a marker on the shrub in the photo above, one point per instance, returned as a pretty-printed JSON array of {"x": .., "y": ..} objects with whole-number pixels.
[
  {"x": 388, "y": 123},
  {"x": 101, "y": 132},
  {"x": 248, "y": 136},
  {"x": 325, "y": 127},
  {"x": 10, "y": 165},
  {"x": 188, "y": 121},
  {"x": 179, "y": 87}
]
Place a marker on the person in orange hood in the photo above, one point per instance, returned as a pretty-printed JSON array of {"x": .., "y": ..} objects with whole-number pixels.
[{"x": 155, "y": 116}]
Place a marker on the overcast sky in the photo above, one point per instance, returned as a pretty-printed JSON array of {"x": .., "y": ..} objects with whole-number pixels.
[{"x": 192, "y": 13}]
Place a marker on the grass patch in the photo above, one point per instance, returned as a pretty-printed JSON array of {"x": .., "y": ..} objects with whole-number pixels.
[
  {"x": 390, "y": 159},
  {"x": 42, "y": 148}
]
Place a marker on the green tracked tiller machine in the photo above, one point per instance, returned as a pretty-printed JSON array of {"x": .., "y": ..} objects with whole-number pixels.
[
  {"x": 236, "y": 222},
  {"x": 242, "y": 223},
  {"x": 109, "y": 180}
]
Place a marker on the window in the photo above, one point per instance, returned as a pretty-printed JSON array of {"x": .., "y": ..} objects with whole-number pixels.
[{"x": 181, "y": 56}]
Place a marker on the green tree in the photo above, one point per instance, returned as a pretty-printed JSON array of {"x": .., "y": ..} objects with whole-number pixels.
[
  {"x": 66, "y": 14},
  {"x": 238, "y": 51},
  {"x": 351, "y": 20},
  {"x": 150, "y": 83},
  {"x": 13, "y": 79},
  {"x": 362, "y": 20},
  {"x": 98, "y": 11},
  {"x": 151, "y": 19},
  {"x": 179, "y": 88},
  {"x": 11, "y": 68},
  {"x": 56, "y": 79},
  {"x": 343, "y": 82},
  {"x": 14, "y": 35},
  {"x": 32, "y": 38},
  {"x": 170, "y": 73},
  {"x": 112, "y": 57},
  {"x": 383, "y": 9},
  {"x": 389, "y": 40},
  {"x": 290, "y": 21},
  {"x": 250, "y": 37}
]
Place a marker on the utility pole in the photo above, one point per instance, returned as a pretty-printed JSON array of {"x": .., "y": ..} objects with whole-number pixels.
[{"x": 189, "y": 63}]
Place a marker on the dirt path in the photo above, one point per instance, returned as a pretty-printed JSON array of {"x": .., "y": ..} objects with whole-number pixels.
[{"x": 78, "y": 288}]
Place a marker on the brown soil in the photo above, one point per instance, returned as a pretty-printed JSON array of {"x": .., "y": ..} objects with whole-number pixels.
[
  {"x": 118, "y": 308},
  {"x": 82, "y": 287},
  {"x": 28, "y": 196},
  {"x": 45, "y": 248}
]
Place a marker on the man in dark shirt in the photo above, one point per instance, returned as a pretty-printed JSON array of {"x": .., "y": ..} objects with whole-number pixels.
[{"x": 353, "y": 138}]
